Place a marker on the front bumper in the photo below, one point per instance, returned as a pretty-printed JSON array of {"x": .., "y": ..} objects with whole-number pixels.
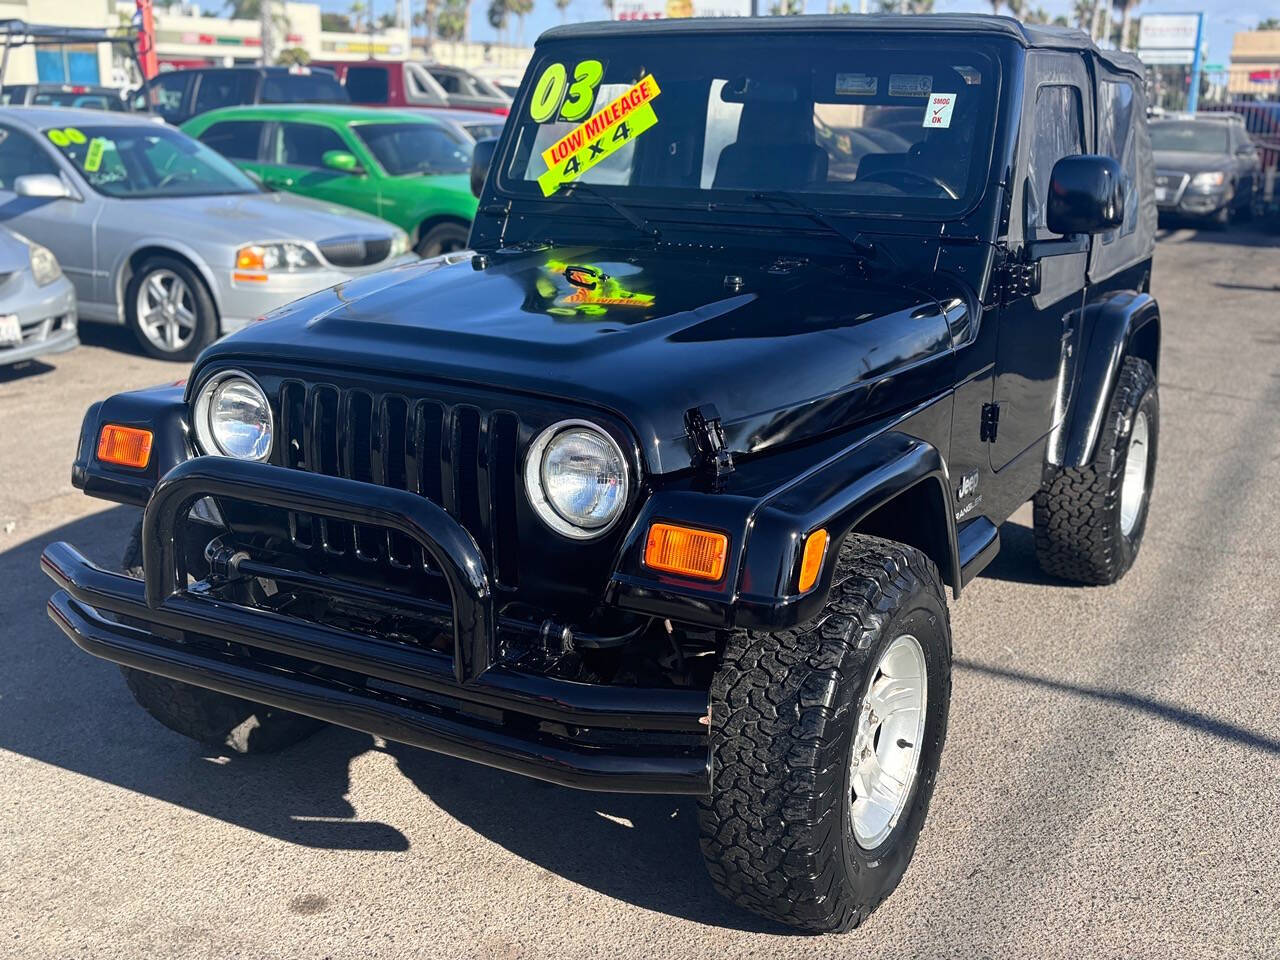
[
  {"x": 47, "y": 316},
  {"x": 472, "y": 704}
]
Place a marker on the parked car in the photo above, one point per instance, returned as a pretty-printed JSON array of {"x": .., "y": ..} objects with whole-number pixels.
[
  {"x": 474, "y": 124},
  {"x": 469, "y": 91},
  {"x": 403, "y": 83},
  {"x": 660, "y": 489},
  {"x": 82, "y": 95},
  {"x": 403, "y": 167},
  {"x": 159, "y": 232},
  {"x": 1206, "y": 168},
  {"x": 37, "y": 303},
  {"x": 179, "y": 95}
]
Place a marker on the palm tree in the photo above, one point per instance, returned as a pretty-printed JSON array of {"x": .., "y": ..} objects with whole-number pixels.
[
  {"x": 1126, "y": 11},
  {"x": 995, "y": 6},
  {"x": 499, "y": 15},
  {"x": 563, "y": 7}
]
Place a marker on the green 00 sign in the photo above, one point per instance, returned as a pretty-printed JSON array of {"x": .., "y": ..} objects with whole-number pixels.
[{"x": 555, "y": 92}]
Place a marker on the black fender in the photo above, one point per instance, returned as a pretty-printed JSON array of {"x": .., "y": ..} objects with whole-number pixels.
[
  {"x": 767, "y": 533},
  {"x": 163, "y": 411},
  {"x": 1121, "y": 325}
]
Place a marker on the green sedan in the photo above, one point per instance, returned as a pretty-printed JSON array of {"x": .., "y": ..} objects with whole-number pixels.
[{"x": 404, "y": 167}]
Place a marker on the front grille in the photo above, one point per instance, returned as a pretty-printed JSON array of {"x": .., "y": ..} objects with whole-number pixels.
[
  {"x": 355, "y": 251},
  {"x": 456, "y": 455}
]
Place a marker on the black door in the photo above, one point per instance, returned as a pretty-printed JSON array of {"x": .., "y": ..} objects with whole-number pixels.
[{"x": 1034, "y": 346}]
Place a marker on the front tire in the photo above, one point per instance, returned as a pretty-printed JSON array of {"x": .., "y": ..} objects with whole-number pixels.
[
  {"x": 443, "y": 238},
  {"x": 206, "y": 716},
  {"x": 169, "y": 309},
  {"x": 1089, "y": 521},
  {"x": 796, "y": 744}
]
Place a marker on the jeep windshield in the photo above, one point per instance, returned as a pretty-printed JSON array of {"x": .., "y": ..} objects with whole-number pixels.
[{"x": 875, "y": 124}]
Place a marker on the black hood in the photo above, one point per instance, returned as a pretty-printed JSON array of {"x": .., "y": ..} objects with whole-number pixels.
[{"x": 791, "y": 352}]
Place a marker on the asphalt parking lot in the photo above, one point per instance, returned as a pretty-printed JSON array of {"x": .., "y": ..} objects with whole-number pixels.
[{"x": 1110, "y": 785}]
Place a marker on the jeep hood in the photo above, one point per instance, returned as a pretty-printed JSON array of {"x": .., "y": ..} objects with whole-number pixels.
[{"x": 793, "y": 350}]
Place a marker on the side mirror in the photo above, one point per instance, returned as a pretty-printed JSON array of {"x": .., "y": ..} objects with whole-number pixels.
[
  {"x": 1086, "y": 195},
  {"x": 480, "y": 161},
  {"x": 47, "y": 186},
  {"x": 340, "y": 160},
  {"x": 1245, "y": 150}
]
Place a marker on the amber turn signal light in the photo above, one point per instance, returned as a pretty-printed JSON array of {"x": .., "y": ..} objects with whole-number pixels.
[
  {"x": 687, "y": 551},
  {"x": 127, "y": 446},
  {"x": 815, "y": 548}
]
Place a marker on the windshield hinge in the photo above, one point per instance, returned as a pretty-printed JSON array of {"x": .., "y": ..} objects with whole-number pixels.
[
  {"x": 1016, "y": 276},
  {"x": 990, "y": 422},
  {"x": 705, "y": 429}
]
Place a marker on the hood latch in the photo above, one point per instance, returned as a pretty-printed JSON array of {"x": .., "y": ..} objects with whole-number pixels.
[{"x": 706, "y": 430}]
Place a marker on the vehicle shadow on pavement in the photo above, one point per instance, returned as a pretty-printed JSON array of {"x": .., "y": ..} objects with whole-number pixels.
[
  {"x": 60, "y": 706},
  {"x": 1016, "y": 562},
  {"x": 642, "y": 850}
]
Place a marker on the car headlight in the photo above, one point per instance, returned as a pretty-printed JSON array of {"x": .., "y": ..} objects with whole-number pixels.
[
  {"x": 275, "y": 258},
  {"x": 576, "y": 478},
  {"x": 399, "y": 244},
  {"x": 1208, "y": 180},
  {"x": 44, "y": 265},
  {"x": 233, "y": 418}
]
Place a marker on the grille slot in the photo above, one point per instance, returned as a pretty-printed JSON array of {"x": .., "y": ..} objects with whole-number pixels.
[
  {"x": 458, "y": 456},
  {"x": 355, "y": 251}
]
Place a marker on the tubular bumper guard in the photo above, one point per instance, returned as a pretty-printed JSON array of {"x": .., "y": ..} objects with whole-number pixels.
[{"x": 468, "y": 700}]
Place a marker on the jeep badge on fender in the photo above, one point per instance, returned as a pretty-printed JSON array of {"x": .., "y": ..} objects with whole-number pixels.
[{"x": 767, "y": 326}]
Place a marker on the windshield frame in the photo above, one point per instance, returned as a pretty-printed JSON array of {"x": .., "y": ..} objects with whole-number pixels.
[
  {"x": 997, "y": 55},
  {"x": 107, "y": 130}
]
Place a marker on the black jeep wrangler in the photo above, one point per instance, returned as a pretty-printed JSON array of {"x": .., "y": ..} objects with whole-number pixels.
[{"x": 768, "y": 325}]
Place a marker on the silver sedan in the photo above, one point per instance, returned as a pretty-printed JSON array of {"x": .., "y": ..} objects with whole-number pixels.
[
  {"x": 37, "y": 303},
  {"x": 161, "y": 233}
]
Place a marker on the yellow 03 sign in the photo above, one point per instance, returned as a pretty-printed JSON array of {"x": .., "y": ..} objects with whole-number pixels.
[
  {"x": 605, "y": 132},
  {"x": 572, "y": 98}
]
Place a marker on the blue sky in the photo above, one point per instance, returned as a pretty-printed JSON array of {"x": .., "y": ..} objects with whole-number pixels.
[{"x": 1224, "y": 18}]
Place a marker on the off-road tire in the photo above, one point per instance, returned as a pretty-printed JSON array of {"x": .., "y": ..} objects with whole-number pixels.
[
  {"x": 776, "y": 831},
  {"x": 207, "y": 716},
  {"x": 1077, "y": 514},
  {"x": 443, "y": 238}
]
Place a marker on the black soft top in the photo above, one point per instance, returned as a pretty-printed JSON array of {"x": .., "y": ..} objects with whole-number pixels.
[{"x": 1028, "y": 35}]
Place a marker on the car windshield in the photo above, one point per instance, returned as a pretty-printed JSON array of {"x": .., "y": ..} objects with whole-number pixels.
[
  {"x": 874, "y": 123},
  {"x": 147, "y": 160},
  {"x": 1190, "y": 137},
  {"x": 415, "y": 148}
]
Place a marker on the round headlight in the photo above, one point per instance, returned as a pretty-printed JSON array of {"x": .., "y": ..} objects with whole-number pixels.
[
  {"x": 233, "y": 418},
  {"x": 576, "y": 478}
]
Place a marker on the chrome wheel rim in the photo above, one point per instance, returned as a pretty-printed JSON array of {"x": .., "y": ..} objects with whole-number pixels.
[
  {"x": 166, "y": 310},
  {"x": 888, "y": 741},
  {"x": 1134, "y": 486}
]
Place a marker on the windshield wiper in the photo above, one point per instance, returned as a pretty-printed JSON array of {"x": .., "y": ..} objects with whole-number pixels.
[
  {"x": 864, "y": 248},
  {"x": 637, "y": 221}
]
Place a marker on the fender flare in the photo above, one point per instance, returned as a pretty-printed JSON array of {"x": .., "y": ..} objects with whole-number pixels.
[
  {"x": 838, "y": 495},
  {"x": 767, "y": 533},
  {"x": 168, "y": 245},
  {"x": 1124, "y": 324}
]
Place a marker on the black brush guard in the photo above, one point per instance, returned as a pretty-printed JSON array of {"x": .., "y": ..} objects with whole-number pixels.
[{"x": 466, "y": 705}]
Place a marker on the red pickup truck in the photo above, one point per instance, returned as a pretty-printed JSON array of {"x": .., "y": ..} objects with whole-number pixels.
[{"x": 400, "y": 83}]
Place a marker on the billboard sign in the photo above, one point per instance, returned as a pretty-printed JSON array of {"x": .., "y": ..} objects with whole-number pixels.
[
  {"x": 1168, "y": 31},
  {"x": 667, "y": 9}
]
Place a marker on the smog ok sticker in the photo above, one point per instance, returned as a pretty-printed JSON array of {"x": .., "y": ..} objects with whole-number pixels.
[
  {"x": 604, "y": 132},
  {"x": 93, "y": 156},
  {"x": 938, "y": 113}
]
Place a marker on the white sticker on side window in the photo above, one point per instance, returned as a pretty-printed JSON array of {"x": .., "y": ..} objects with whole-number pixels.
[{"x": 937, "y": 115}]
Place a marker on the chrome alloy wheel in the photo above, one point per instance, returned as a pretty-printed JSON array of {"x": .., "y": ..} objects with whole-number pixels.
[
  {"x": 1134, "y": 485},
  {"x": 887, "y": 743},
  {"x": 166, "y": 311}
]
